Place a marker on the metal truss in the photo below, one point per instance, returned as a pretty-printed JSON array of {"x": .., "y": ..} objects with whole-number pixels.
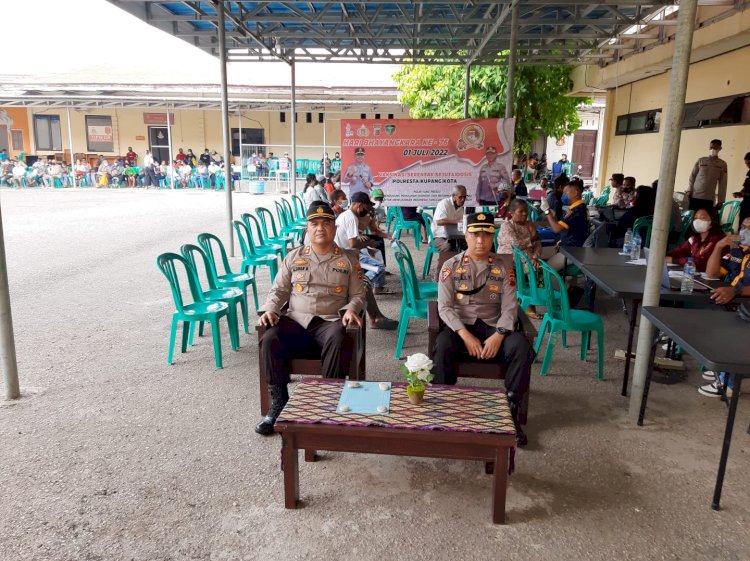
[{"x": 425, "y": 32}]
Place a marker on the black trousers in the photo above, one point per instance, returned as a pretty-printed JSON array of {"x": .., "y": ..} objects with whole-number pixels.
[
  {"x": 515, "y": 352},
  {"x": 288, "y": 339},
  {"x": 698, "y": 204}
]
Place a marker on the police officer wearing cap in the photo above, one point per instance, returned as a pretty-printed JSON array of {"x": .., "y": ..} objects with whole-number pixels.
[
  {"x": 491, "y": 175},
  {"x": 477, "y": 302},
  {"x": 358, "y": 175},
  {"x": 322, "y": 286}
]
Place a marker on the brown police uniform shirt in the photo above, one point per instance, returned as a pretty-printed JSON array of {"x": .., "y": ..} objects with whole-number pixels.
[
  {"x": 317, "y": 285},
  {"x": 495, "y": 304},
  {"x": 707, "y": 173}
]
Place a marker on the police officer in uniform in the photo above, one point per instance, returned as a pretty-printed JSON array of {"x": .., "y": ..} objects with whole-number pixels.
[
  {"x": 491, "y": 175},
  {"x": 707, "y": 172},
  {"x": 358, "y": 175},
  {"x": 322, "y": 285},
  {"x": 477, "y": 302}
]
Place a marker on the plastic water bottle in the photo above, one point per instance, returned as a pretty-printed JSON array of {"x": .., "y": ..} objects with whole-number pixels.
[
  {"x": 635, "y": 250},
  {"x": 688, "y": 272},
  {"x": 627, "y": 246}
]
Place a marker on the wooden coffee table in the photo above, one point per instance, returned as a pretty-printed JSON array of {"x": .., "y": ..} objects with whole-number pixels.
[{"x": 453, "y": 422}]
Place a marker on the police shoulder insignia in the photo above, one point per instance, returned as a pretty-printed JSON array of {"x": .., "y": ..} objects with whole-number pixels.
[
  {"x": 445, "y": 273},
  {"x": 511, "y": 275},
  {"x": 336, "y": 250},
  {"x": 340, "y": 264},
  {"x": 307, "y": 250},
  {"x": 495, "y": 270}
]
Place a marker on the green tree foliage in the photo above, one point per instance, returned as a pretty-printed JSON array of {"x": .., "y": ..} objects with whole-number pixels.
[{"x": 540, "y": 103}]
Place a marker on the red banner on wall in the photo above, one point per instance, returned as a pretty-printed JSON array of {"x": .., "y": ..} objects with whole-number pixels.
[
  {"x": 157, "y": 119},
  {"x": 419, "y": 161}
]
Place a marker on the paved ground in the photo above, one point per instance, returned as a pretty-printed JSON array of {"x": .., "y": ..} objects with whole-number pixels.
[{"x": 112, "y": 454}]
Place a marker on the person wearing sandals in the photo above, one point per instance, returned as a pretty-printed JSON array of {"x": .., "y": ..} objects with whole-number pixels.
[{"x": 520, "y": 232}]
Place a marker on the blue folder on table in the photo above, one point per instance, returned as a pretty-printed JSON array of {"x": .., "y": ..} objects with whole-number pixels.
[{"x": 366, "y": 398}]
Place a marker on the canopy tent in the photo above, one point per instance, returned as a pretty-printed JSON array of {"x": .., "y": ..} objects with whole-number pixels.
[{"x": 430, "y": 32}]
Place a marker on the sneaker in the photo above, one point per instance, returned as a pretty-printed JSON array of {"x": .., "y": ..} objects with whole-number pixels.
[
  {"x": 709, "y": 375},
  {"x": 714, "y": 390}
]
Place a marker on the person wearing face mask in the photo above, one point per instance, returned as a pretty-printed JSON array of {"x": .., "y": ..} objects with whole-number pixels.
[
  {"x": 378, "y": 197},
  {"x": 573, "y": 227},
  {"x": 449, "y": 211},
  {"x": 700, "y": 244},
  {"x": 339, "y": 202},
  {"x": 708, "y": 172}
]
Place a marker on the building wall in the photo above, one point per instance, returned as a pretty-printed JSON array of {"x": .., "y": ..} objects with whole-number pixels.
[
  {"x": 638, "y": 154},
  {"x": 194, "y": 129},
  {"x": 18, "y": 121}
]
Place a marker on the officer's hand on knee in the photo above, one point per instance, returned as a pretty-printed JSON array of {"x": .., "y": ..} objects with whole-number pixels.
[
  {"x": 350, "y": 317},
  {"x": 492, "y": 345},
  {"x": 472, "y": 343},
  {"x": 269, "y": 319}
]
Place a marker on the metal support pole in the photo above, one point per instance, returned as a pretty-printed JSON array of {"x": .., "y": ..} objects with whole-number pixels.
[
  {"x": 8, "y": 362},
  {"x": 467, "y": 89},
  {"x": 72, "y": 153},
  {"x": 225, "y": 124},
  {"x": 239, "y": 140},
  {"x": 169, "y": 148},
  {"x": 324, "y": 144},
  {"x": 511, "y": 62},
  {"x": 293, "y": 171},
  {"x": 670, "y": 149}
]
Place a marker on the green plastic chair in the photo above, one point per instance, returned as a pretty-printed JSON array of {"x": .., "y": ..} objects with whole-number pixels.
[
  {"x": 728, "y": 214},
  {"x": 527, "y": 288},
  {"x": 296, "y": 219},
  {"x": 603, "y": 199},
  {"x": 687, "y": 220},
  {"x": 211, "y": 244},
  {"x": 233, "y": 297},
  {"x": 270, "y": 232},
  {"x": 402, "y": 225},
  {"x": 431, "y": 249},
  {"x": 427, "y": 290},
  {"x": 299, "y": 208},
  {"x": 411, "y": 305},
  {"x": 390, "y": 218},
  {"x": 263, "y": 246},
  {"x": 287, "y": 224},
  {"x": 646, "y": 222},
  {"x": 198, "y": 310},
  {"x": 251, "y": 259},
  {"x": 533, "y": 213},
  {"x": 560, "y": 318},
  {"x": 587, "y": 196}
]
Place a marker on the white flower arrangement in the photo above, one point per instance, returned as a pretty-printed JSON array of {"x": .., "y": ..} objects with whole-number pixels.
[{"x": 416, "y": 371}]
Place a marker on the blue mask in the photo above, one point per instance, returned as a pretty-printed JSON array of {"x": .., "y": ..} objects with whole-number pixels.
[
  {"x": 565, "y": 199},
  {"x": 344, "y": 204},
  {"x": 745, "y": 237}
]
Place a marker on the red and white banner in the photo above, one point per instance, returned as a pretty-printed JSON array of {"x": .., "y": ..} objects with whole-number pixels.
[
  {"x": 98, "y": 133},
  {"x": 417, "y": 162}
]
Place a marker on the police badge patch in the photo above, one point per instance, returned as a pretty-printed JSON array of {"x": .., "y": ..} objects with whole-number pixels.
[{"x": 444, "y": 274}]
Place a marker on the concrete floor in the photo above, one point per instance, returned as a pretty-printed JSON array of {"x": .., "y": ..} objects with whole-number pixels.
[{"x": 113, "y": 454}]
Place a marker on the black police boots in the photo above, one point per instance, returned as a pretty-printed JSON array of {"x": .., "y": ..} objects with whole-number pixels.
[
  {"x": 514, "y": 402},
  {"x": 279, "y": 397}
]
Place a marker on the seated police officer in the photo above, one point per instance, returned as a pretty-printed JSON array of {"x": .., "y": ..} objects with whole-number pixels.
[
  {"x": 477, "y": 302},
  {"x": 322, "y": 285}
]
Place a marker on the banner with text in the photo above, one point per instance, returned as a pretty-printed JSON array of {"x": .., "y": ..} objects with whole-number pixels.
[{"x": 417, "y": 162}]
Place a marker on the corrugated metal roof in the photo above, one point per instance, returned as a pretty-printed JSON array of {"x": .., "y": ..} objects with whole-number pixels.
[{"x": 427, "y": 31}]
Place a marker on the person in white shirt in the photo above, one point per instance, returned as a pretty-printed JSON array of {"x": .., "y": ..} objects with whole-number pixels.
[
  {"x": 19, "y": 172},
  {"x": 449, "y": 211},
  {"x": 348, "y": 237}
]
